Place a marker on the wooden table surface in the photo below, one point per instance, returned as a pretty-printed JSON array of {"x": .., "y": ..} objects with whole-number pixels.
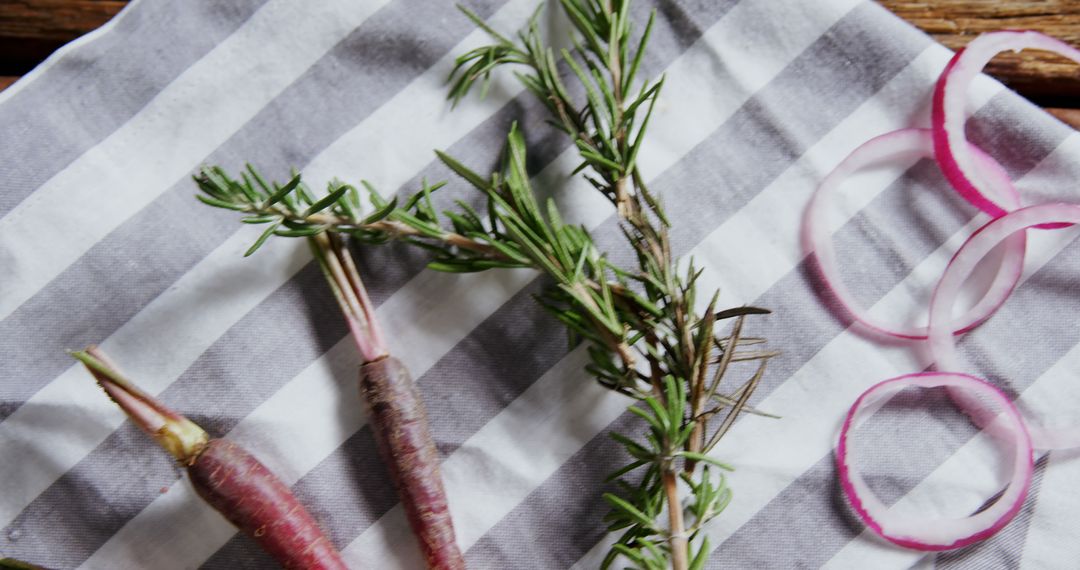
[{"x": 32, "y": 29}]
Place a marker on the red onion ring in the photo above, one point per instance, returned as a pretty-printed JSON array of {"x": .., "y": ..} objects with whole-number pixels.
[
  {"x": 942, "y": 345},
  {"x": 907, "y": 143},
  {"x": 949, "y": 109},
  {"x": 945, "y": 533}
]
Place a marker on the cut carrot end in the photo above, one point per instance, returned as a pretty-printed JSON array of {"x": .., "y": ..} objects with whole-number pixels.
[{"x": 181, "y": 437}]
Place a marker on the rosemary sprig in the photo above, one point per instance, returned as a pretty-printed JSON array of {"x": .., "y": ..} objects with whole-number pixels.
[
  {"x": 686, "y": 362},
  {"x": 290, "y": 210},
  {"x": 645, "y": 338}
]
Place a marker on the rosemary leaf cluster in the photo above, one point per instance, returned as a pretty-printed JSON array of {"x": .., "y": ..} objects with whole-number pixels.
[{"x": 645, "y": 338}]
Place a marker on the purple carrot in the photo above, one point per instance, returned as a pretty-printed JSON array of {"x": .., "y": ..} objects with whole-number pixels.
[
  {"x": 398, "y": 420},
  {"x": 405, "y": 444},
  {"x": 228, "y": 478}
]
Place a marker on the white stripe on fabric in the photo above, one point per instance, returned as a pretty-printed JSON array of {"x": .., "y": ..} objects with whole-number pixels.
[
  {"x": 168, "y": 321},
  {"x": 1051, "y": 540},
  {"x": 400, "y": 126},
  {"x": 166, "y": 140}
]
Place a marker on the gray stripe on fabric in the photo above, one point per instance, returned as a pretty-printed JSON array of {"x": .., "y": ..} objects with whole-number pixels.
[
  {"x": 69, "y": 108},
  {"x": 919, "y": 211},
  {"x": 35, "y": 343},
  {"x": 912, "y": 434},
  {"x": 1030, "y": 322},
  {"x": 1006, "y": 548},
  {"x": 744, "y": 137},
  {"x": 565, "y": 510},
  {"x": 798, "y": 313},
  {"x": 816, "y": 499}
]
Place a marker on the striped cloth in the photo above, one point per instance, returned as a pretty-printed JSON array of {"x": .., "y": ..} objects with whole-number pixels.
[{"x": 101, "y": 241}]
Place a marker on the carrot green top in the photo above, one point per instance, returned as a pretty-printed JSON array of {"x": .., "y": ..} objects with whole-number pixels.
[{"x": 178, "y": 435}]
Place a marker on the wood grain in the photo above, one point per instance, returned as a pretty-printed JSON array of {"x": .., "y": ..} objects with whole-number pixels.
[
  {"x": 62, "y": 20},
  {"x": 30, "y": 30},
  {"x": 1045, "y": 78},
  {"x": 1070, "y": 117}
]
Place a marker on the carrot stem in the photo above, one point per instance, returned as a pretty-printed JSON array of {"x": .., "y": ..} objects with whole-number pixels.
[
  {"x": 181, "y": 437},
  {"x": 344, "y": 280}
]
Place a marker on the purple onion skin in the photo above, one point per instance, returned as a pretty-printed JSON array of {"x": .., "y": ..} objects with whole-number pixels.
[{"x": 401, "y": 431}]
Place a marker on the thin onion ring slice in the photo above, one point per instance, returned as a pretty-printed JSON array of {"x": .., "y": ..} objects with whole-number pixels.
[{"x": 928, "y": 534}]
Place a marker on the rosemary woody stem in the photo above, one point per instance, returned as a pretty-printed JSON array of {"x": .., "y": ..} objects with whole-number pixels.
[
  {"x": 622, "y": 200},
  {"x": 675, "y": 519}
]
